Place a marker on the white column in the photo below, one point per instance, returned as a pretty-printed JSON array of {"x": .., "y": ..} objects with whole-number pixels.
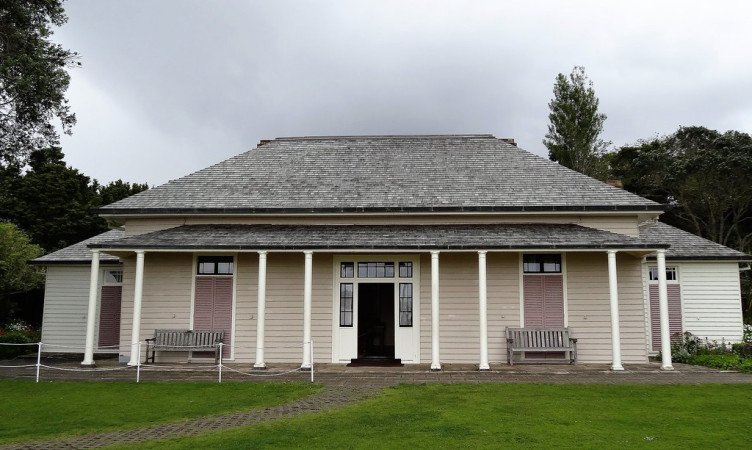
[
  {"x": 91, "y": 314},
  {"x": 138, "y": 291},
  {"x": 613, "y": 291},
  {"x": 435, "y": 364},
  {"x": 483, "y": 307},
  {"x": 260, "y": 316},
  {"x": 307, "y": 309},
  {"x": 663, "y": 307}
]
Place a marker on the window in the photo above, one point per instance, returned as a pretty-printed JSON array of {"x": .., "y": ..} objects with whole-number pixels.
[
  {"x": 541, "y": 263},
  {"x": 670, "y": 274},
  {"x": 406, "y": 269},
  {"x": 215, "y": 265},
  {"x": 405, "y": 304},
  {"x": 346, "y": 304},
  {"x": 113, "y": 277},
  {"x": 346, "y": 270},
  {"x": 376, "y": 270}
]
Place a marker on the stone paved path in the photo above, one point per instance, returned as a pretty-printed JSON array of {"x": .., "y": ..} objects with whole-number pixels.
[{"x": 343, "y": 386}]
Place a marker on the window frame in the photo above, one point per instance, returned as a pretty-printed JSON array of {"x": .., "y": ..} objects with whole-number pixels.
[
  {"x": 669, "y": 270},
  {"x": 216, "y": 260},
  {"x": 540, "y": 259}
]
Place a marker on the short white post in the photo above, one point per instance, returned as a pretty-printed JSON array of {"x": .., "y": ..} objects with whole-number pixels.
[
  {"x": 435, "y": 354},
  {"x": 219, "y": 366},
  {"x": 39, "y": 358},
  {"x": 613, "y": 290},
  {"x": 483, "y": 310},
  {"x": 138, "y": 365},
  {"x": 92, "y": 312},
  {"x": 138, "y": 292},
  {"x": 260, "y": 363},
  {"x": 663, "y": 309},
  {"x": 308, "y": 281},
  {"x": 312, "y": 360}
]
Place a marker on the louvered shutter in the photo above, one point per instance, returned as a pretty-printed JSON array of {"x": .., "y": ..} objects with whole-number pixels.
[
  {"x": 533, "y": 300},
  {"x": 553, "y": 301},
  {"x": 109, "y": 317},
  {"x": 674, "y": 313}
]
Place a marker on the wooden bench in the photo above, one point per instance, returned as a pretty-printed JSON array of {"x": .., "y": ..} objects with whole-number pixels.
[
  {"x": 541, "y": 340},
  {"x": 184, "y": 341}
]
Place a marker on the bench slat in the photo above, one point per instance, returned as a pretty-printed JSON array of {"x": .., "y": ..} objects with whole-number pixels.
[{"x": 184, "y": 340}]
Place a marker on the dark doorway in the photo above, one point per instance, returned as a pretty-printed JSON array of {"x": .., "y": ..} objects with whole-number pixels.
[{"x": 376, "y": 321}]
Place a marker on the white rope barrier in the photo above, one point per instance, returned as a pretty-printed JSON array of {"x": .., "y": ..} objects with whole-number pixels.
[{"x": 41, "y": 346}]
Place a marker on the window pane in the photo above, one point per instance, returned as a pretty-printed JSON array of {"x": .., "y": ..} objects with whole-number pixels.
[
  {"x": 376, "y": 270},
  {"x": 114, "y": 276},
  {"x": 346, "y": 270},
  {"x": 206, "y": 268},
  {"x": 345, "y": 304},
  {"x": 406, "y": 304},
  {"x": 670, "y": 274},
  {"x": 541, "y": 263},
  {"x": 531, "y": 267},
  {"x": 406, "y": 270},
  {"x": 224, "y": 268}
]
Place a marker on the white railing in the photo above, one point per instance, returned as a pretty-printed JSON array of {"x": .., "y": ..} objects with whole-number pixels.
[{"x": 138, "y": 367}]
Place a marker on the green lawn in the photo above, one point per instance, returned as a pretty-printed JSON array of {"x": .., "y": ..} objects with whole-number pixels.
[
  {"x": 512, "y": 415},
  {"x": 30, "y": 411}
]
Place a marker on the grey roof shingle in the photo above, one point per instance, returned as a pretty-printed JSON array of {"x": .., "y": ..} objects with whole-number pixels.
[
  {"x": 382, "y": 173},
  {"x": 80, "y": 253},
  {"x": 312, "y": 237},
  {"x": 688, "y": 246}
]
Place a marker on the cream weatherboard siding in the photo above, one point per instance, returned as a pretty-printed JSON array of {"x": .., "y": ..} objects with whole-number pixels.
[
  {"x": 589, "y": 313},
  {"x": 711, "y": 299},
  {"x": 66, "y": 300}
]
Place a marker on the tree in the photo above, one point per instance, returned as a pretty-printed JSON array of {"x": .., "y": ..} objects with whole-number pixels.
[
  {"x": 703, "y": 175},
  {"x": 33, "y": 78},
  {"x": 55, "y": 204},
  {"x": 573, "y": 137},
  {"x": 15, "y": 274},
  {"x": 118, "y": 190}
]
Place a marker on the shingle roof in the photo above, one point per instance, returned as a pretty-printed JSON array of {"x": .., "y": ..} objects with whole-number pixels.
[
  {"x": 311, "y": 237},
  {"x": 382, "y": 173},
  {"x": 687, "y": 246},
  {"x": 80, "y": 253}
]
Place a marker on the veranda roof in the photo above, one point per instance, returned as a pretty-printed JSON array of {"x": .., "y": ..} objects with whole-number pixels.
[{"x": 523, "y": 236}]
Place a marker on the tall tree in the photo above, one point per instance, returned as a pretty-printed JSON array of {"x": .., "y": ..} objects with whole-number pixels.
[
  {"x": 703, "y": 175},
  {"x": 15, "y": 274},
  {"x": 118, "y": 190},
  {"x": 573, "y": 137},
  {"x": 33, "y": 77},
  {"x": 55, "y": 204}
]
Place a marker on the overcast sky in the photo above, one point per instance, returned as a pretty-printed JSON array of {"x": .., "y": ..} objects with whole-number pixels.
[{"x": 168, "y": 87}]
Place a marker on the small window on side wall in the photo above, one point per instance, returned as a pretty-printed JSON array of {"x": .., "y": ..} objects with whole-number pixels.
[
  {"x": 670, "y": 274},
  {"x": 541, "y": 263},
  {"x": 215, "y": 265}
]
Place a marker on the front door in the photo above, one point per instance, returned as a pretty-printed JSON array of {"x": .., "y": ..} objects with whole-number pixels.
[{"x": 376, "y": 320}]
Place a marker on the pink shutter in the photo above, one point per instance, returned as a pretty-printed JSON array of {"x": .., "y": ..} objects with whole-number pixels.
[
  {"x": 109, "y": 317},
  {"x": 553, "y": 301},
  {"x": 203, "y": 303},
  {"x": 674, "y": 313},
  {"x": 222, "y": 317},
  {"x": 533, "y": 300}
]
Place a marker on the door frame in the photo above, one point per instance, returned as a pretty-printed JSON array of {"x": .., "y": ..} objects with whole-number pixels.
[{"x": 406, "y": 339}]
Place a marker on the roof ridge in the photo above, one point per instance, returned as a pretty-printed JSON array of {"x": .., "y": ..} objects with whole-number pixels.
[{"x": 383, "y": 136}]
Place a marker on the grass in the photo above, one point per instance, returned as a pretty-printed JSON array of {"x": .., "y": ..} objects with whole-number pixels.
[
  {"x": 32, "y": 411},
  {"x": 510, "y": 415}
]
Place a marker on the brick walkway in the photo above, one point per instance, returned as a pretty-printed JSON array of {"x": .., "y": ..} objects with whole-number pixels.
[{"x": 341, "y": 386}]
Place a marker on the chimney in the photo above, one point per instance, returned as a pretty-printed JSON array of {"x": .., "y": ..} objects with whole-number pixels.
[
  {"x": 615, "y": 183},
  {"x": 509, "y": 141},
  {"x": 263, "y": 142}
]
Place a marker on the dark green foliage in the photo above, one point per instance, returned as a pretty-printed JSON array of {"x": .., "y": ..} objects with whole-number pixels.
[
  {"x": 703, "y": 175},
  {"x": 687, "y": 348},
  {"x": 118, "y": 190},
  {"x": 17, "y": 333},
  {"x": 55, "y": 204},
  {"x": 33, "y": 78},
  {"x": 573, "y": 137},
  {"x": 15, "y": 274}
]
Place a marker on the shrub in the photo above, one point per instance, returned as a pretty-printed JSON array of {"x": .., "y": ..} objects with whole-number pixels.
[
  {"x": 17, "y": 333},
  {"x": 723, "y": 362}
]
